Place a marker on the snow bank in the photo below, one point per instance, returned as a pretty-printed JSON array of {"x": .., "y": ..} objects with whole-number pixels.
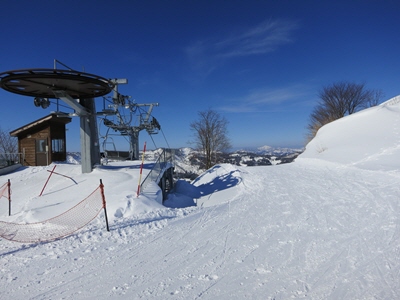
[{"x": 369, "y": 139}]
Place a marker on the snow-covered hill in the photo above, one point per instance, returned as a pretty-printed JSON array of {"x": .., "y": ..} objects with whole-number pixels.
[
  {"x": 323, "y": 227},
  {"x": 369, "y": 139}
]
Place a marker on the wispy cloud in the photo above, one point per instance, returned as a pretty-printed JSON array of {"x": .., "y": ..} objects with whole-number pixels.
[
  {"x": 262, "y": 39},
  {"x": 268, "y": 100}
]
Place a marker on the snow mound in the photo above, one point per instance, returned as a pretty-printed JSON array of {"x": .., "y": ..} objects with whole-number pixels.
[
  {"x": 219, "y": 184},
  {"x": 369, "y": 139},
  {"x": 74, "y": 158}
]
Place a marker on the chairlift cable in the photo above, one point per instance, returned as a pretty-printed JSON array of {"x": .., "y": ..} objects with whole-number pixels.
[
  {"x": 153, "y": 141},
  {"x": 164, "y": 137},
  {"x": 162, "y": 133}
]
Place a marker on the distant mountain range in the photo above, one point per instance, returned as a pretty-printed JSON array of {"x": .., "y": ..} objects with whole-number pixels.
[
  {"x": 189, "y": 162},
  {"x": 276, "y": 151}
]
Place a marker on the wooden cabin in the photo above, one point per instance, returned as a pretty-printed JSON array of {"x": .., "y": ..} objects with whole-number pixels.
[{"x": 43, "y": 141}]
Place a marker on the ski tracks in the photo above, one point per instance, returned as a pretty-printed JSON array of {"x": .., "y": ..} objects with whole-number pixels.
[
  {"x": 323, "y": 244},
  {"x": 293, "y": 231}
]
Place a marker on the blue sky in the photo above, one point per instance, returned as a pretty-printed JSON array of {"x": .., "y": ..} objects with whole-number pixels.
[{"x": 260, "y": 64}]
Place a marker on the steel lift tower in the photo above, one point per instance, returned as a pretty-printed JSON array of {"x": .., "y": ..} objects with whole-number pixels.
[{"x": 124, "y": 125}]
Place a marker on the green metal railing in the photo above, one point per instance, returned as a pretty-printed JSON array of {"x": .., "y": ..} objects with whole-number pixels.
[{"x": 163, "y": 162}]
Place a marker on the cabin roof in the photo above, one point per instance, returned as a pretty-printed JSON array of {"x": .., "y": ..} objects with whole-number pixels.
[{"x": 51, "y": 119}]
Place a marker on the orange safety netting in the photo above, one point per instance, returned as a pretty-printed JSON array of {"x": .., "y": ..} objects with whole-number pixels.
[
  {"x": 62, "y": 225},
  {"x": 3, "y": 190}
]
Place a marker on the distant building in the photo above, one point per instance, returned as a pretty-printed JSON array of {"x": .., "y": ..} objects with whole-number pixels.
[{"x": 42, "y": 141}]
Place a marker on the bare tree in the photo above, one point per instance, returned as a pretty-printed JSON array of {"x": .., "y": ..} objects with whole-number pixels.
[
  {"x": 338, "y": 100},
  {"x": 8, "y": 146},
  {"x": 210, "y": 135}
]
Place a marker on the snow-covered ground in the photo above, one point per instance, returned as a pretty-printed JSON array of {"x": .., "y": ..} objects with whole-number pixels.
[{"x": 323, "y": 227}]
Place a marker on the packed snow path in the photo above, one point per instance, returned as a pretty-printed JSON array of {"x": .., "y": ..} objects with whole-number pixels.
[{"x": 309, "y": 229}]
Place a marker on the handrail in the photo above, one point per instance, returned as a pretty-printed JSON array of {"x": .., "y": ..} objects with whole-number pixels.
[
  {"x": 163, "y": 162},
  {"x": 10, "y": 158}
]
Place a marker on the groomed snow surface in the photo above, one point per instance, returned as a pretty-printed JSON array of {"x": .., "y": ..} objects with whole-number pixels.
[{"x": 323, "y": 227}]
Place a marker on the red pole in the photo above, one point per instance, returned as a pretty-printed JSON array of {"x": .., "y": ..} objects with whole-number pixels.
[
  {"x": 104, "y": 203},
  {"x": 51, "y": 173},
  {"x": 141, "y": 170}
]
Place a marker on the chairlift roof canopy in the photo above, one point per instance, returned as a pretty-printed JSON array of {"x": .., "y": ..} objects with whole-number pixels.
[{"x": 42, "y": 83}]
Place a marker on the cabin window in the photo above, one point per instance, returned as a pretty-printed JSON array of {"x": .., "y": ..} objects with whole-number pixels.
[
  {"x": 41, "y": 145},
  {"x": 57, "y": 145}
]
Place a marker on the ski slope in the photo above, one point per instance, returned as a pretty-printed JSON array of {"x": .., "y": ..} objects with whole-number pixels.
[{"x": 323, "y": 227}]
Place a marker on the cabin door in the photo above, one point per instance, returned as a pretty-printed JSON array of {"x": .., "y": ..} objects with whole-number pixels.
[{"x": 42, "y": 149}]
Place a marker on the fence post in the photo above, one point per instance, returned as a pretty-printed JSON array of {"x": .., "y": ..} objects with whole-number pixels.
[
  {"x": 141, "y": 170},
  {"x": 51, "y": 173},
  {"x": 104, "y": 202},
  {"x": 9, "y": 197}
]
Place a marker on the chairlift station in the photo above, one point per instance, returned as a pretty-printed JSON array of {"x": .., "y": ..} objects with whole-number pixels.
[{"x": 78, "y": 90}]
